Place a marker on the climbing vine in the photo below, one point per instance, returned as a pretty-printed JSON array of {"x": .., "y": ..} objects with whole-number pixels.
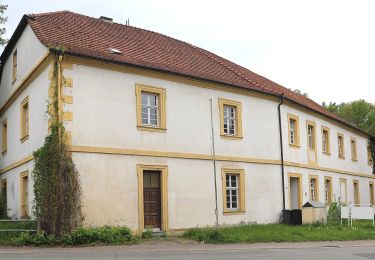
[
  {"x": 57, "y": 203},
  {"x": 372, "y": 152}
]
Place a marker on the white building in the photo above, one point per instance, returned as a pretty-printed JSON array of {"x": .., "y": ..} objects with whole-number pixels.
[{"x": 137, "y": 111}]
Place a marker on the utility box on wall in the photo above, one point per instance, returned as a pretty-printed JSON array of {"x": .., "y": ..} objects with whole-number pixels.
[{"x": 314, "y": 212}]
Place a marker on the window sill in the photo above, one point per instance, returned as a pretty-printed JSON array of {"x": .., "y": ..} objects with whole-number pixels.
[
  {"x": 238, "y": 212},
  {"x": 23, "y": 139},
  {"x": 355, "y": 160},
  {"x": 327, "y": 153},
  {"x": 151, "y": 129},
  {"x": 296, "y": 146},
  {"x": 341, "y": 157},
  {"x": 233, "y": 137},
  {"x": 3, "y": 153}
]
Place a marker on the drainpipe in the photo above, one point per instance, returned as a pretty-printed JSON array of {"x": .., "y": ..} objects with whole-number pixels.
[{"x": 281, "y": 147}]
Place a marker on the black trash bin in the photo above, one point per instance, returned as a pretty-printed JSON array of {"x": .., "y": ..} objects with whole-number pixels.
[
  {"x": 287, "y": 216},
  {"x": 296, "y": 217}
]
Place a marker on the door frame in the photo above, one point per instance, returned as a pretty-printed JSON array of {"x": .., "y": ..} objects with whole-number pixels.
[
  {"x": 163, "y": 169},
  {"x": 300, "y": 189}
]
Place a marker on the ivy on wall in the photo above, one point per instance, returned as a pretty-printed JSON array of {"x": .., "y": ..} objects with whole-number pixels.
[
  {"x": 57, "y": 203},
  {"x": 372, "y": 151}
]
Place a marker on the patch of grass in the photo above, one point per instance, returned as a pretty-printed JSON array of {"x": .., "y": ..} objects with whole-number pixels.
[{"x": 283, "y": 233}]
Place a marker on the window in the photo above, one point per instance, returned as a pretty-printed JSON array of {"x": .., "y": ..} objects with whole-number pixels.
[
  {"x": 328, "y": 190},
  {"x": 326, "y": 146},
  {"x": 313, "y": 187},
  {"x": 14, "y": 77},
  {"x": 311, "y": 135},
  {"x": 151, "y": 108},
  {"x": 230, "y": 118},
  {"x": 356, "y": 192},
  {"x": 343, "y": 191},
  {"x": 293, "y": 127},
  {"x": 340, "y": 144},
  {"x": 25, "y": 119},
  {"x": 233, "y": 190},
  {"x": 371, "y": 186},
  {"x": 369, "y": 157},
  {"x": 4, "y": 139},
  {"x": 353, "y": 147},
  {"x": 24, "y": 194}
]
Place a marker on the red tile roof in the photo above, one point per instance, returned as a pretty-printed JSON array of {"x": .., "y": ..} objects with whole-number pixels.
[{"x": 92, "y": 37}]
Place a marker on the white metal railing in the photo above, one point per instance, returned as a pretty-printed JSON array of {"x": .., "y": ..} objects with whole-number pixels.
[{"x": 357, "y": 211}]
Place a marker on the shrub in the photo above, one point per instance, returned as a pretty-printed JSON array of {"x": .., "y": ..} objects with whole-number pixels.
[
  {"x": 38, "y": 239},
  {"x": 99, "y": 235},
  {"x": 148, "y": 232},
  {"x": 334, "y": 212}
]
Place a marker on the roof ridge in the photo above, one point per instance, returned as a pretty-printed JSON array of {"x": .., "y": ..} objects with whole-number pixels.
[{"x": 47, "y": 13}]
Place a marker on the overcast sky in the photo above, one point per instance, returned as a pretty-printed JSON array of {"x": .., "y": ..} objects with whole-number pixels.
[{"x": 323, "y": 47}]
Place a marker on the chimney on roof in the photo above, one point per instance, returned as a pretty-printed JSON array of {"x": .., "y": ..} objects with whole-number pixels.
[{"x": 106, "y": 19}]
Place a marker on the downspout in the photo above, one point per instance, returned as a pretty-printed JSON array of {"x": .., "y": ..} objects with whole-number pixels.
[
  {"x": 281, "y": 148},
  {"x": 59, "y": 87}
]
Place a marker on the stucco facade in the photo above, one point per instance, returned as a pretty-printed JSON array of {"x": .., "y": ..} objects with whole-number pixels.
[{"x": 108, "y": 146}]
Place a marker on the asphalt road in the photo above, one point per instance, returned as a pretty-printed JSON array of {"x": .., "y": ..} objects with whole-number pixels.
[{"x": 290, "y": 251}]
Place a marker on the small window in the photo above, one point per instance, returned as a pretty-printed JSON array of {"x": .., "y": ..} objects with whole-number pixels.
[
  {"x": 24, "y": 194},
  {"x": 25, "y": 119},
  {"x": 371, "y": 186},
  {"x": 356, "y": 192},
  {"x": 340, "y": 144},
  {"x": 151, "y": 108},
  {"x": 353, "y": 147},
  {"x": 14, "y": 77},
  {"x": 326, "y": 146},
  {"x": 293, "y": 126},
  {"x": 328, "y": 190},
  {"x": 230, "y": 118},
  {"x": 311, "y": 136},
  {"x": 4, "y": 144},
  {"x": 233, "y": 190},
  {"x": 313, "y": 187},
  {"x": 369, "y": 156}
]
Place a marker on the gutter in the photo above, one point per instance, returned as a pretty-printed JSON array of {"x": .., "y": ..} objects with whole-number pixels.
[{"x": 281, "y": 148}]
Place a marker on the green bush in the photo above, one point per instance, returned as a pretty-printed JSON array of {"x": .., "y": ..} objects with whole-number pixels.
[
  {"x": 334, "y": 212},
  {"x": 99, "y": 235},
  {"x": 38, "y": 239},
  {"x": 148, "y": 232}
]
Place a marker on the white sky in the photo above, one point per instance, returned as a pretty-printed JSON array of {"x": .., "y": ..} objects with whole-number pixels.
[{"x": 323, "y": 47}]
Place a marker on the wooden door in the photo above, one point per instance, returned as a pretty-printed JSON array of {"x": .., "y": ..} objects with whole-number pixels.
[{"x": 152, "y": 199}]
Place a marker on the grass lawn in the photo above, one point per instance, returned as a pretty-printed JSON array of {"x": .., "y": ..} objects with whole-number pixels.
[
  {"x": 6, "y": 236},
  {"x": 283, "y": 233}
]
